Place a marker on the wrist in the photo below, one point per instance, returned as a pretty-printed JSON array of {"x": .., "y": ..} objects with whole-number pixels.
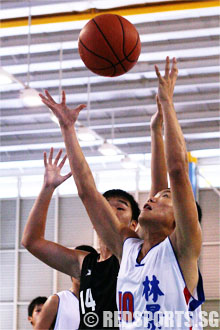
[
  {"x": 48, "y": 188},
  {"x": 167, "y": 102},
  {"x": 156, "y": 130}
]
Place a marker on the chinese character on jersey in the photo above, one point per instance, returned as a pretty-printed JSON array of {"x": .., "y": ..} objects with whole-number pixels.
[{"x": 152, "y": 288}]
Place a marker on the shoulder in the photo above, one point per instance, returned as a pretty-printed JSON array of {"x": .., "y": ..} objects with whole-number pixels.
[{"x": 53, "y": 300}]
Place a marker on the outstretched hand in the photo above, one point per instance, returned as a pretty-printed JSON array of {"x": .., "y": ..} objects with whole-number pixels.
[
  {"x": 52, "y": 176},
  {"x": 156, "y": 122},
  {"x": 167, "y": 83},
  {"x": 66, "y": 116}
]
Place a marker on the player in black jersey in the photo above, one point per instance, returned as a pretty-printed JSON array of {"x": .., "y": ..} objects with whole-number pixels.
[{"x": 99, "y": 272}]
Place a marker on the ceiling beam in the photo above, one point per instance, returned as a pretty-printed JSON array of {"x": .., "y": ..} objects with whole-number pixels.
[{"x": 123, "y": 11}]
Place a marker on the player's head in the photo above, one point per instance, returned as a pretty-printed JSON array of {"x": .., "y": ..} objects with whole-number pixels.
[
  {"x": 34, "y": 309},
  {"x": 124, "y": 205},
  {"x": 158, "y": 211}
]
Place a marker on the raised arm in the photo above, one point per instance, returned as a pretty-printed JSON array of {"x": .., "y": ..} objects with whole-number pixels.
[
  {"x": 158, "y": 162},
  {"x": 100, "y": 213},
  {"x": 187, "y": 235},
  {"x": 48, "y": 314},
  {"x": 54, "y": 255}
]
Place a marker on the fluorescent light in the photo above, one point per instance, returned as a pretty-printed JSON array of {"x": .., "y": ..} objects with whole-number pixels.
[
  {"x": 30, "y": 97},
  {"x": 5, "y": 77},
  {"x": 108, "y": 149},
  {"x": 127, "y": 163},
  {"x": 86, "y": 134}
]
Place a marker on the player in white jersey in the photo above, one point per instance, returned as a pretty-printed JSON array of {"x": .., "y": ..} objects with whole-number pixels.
[
  {"x": 169, "y": 223},
  {"x": 61, "y": 310}
]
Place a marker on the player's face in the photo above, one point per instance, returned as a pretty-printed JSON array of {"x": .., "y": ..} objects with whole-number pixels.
[
  {"x": 159, "y": 209},
  {"x": 122, "y": 209},
  {"x": 35, "y": 315}
]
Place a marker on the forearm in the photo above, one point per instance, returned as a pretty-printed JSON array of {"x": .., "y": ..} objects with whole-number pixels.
[
  {"x": 35, "y": 227},
  {"x": 175, "y": 147},
  {"x": 81, "y": 172},
  {"x": 158, "y": 162}
]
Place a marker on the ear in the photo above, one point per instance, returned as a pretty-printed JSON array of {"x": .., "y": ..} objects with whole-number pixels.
[
  {"x": 30, "y": 319},
  {"x": 133, "y": 224}
]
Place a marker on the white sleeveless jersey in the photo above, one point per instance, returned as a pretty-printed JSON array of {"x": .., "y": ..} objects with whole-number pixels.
[
  {"x": 68, "y": 311},
  {"x": 153, "y": 292}
]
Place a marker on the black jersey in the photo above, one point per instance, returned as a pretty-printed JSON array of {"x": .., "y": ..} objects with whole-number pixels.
[{"x": 97, "y": 289}]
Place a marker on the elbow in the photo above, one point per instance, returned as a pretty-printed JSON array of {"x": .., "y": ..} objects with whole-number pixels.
[
  {"x": 25, "y": 242},
  {"x": 28, "y": 242},
  {"x": 177, "y": 169}
]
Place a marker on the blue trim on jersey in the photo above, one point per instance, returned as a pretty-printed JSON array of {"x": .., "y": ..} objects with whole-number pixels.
[
  {"x": 194, "y": 303},
  {"x": 139, "y": 263},
  {"x": 73, "y": 294}
]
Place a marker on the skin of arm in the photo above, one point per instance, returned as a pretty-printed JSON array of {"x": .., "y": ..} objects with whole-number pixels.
[
  {"x": 158, "y": 162},
  {"x": 100, "y": 213},
  {"x": 186, "y": 238},
  {"x": 54, "y": 255},
  {"x": 48, "y": 313}
]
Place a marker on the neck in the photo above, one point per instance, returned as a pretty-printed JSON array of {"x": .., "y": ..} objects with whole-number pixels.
[
  {"x": 151, "y": 239},
  {"x": 105, "y": 253},
  {"x": 75, "y": 288}
]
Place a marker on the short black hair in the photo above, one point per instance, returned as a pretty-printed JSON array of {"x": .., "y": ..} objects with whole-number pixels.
[
  {"x": 86, "y": 248},
  {"x": 121, "y": 193},
  {"x": 199, "y": 210},
  {"x": 36, "y": 301}
]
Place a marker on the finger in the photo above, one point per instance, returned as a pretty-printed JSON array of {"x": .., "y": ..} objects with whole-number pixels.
[
  {"x": 158, "y": 73},
  {"x": 42, "y": 96},
  {"x": 49, "y": 96},
  {"x": 174, "y": 69},
  {"x": 63, "y": 97},
  {"x": 45, "y": 158},
  {"x": 159, "y": 106},
  {"x": 67, "y": 176},
  {"x": 58, "y": 156},
  {"x": 80, "y": 107},
  {"x": 50, "y": 105},
  {"x": 62, "y": 162},
  {"x": 50, "y": 156},
  {"x": 167, "y": 67}
]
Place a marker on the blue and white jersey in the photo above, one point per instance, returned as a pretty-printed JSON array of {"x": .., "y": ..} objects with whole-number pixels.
[
  {"x": 152, "y": 294},
  {"x": 68, "y": 311}
]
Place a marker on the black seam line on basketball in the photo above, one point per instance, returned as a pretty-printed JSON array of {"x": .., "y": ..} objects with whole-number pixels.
[
  {"x": 126, "y": 56},
  {"x": 108, "y": 67},
  {"x": 89, "y": 50},
  {"x": 109, "y": 44}
]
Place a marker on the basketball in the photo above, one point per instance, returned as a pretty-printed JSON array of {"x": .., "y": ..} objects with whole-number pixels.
[{"x": 109, "y": 45}]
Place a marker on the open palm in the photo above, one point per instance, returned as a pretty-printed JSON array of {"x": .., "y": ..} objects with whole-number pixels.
[
  {"x": 52, "y": 176},
  {"x": 66, "y": 116}
]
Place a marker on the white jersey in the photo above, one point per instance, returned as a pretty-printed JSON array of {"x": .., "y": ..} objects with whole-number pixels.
[
  {"x": 68, "y": 311},
  {"x": 153, "y": 292}
]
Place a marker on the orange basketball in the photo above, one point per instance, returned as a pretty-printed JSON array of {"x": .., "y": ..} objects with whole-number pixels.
[{"x": 109, "y": 45}]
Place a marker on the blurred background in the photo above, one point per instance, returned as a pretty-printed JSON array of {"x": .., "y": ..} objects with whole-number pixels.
[{"x": 39, "y": 50}]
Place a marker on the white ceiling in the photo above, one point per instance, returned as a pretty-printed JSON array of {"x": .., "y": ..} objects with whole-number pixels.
[{"x": 127, "y": 101}]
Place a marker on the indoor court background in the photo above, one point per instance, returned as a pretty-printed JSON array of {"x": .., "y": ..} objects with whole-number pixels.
[{"x": 118, "y": 110}]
